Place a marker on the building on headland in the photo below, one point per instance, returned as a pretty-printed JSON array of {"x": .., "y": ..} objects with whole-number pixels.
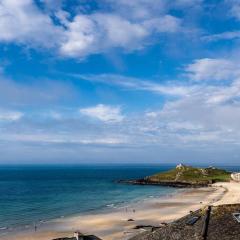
[
  {"x": 235, "y": 177},
  {"x": 179, "y": 166}
]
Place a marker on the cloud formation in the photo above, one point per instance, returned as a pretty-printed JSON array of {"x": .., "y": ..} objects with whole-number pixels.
[
  {"x": 22, "y": 22},
  {"x": 40, "y": 92},
  {"x": 180, "y": 102},
  {"x": 83, "y": 34},
  {"x": 171, "y": 88},
  {"x": 96, "y": 33},
  {"x": 234, "y": 8},
  {"x": 213, "y": 69},
  {"x": 230, "y": 35},
  {"x": 6, "y": 115},
  {"x": 202, "y": 114},
  {"x": 124, "y": 25},
  {"x": 206, "y": 118},
  {"x": 104, "y": 113}
]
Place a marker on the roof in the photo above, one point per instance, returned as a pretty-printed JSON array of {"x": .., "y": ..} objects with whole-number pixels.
[{"x": 222, "y": 225}]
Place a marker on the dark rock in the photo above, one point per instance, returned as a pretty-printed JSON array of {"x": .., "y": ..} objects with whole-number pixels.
[
  {"x": 176, "y": 184},
  {"x": 65, "y": 238},
  {"x": 130, "y": 220},
  {"x": 85, "y": 237},
  {"x": 147, "y": 227}
]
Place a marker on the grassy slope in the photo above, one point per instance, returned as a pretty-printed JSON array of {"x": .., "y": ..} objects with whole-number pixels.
[{"x": 191, "y": 174}]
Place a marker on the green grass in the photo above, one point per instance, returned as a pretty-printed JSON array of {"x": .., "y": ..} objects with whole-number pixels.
[{"x": 193, "y": 175}]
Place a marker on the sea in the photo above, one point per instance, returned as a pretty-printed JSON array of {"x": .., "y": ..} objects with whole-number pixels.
[{"x": 33, "y": 194}]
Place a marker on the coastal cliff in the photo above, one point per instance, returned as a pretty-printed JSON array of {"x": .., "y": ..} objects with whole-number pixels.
[{"x": 184, "y": 176}]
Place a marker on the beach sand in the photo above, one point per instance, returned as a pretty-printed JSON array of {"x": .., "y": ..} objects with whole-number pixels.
[
  {"x": 115, "y": 224},
  {"x": 232, "y": 193}
]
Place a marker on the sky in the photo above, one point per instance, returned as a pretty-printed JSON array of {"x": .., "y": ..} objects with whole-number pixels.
[{"x": 104, "y": 81}]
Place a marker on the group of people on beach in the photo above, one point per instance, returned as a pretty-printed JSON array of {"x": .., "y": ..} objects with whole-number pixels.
[{"x": 126, "y": 209}]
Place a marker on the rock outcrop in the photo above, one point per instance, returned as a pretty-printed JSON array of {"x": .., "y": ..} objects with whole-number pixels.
[{"x": 184, "y": 177}]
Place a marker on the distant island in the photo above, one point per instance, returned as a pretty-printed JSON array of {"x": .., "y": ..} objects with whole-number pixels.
[{"x": 184, "y": 176}]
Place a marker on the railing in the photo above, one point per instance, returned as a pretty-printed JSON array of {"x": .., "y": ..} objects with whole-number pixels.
[{"x": 206, "y": 223}]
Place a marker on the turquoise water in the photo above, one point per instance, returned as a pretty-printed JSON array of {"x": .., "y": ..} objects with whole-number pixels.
[{"x": 30, "y": 194}]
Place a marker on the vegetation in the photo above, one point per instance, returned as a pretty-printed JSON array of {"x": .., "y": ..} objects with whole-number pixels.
[{"x": 191, "y": 175}]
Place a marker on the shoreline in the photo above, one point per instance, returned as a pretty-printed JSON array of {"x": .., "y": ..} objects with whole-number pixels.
[
  {"x": 115, "y": 225},
  {"x": 104, "y": 210}
]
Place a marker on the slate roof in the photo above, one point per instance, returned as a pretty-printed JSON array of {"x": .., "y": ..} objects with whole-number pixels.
[{"x": 222, "y": 226}]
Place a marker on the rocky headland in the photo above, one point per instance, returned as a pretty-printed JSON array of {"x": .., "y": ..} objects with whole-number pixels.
[{"x": 184, "y": 177}]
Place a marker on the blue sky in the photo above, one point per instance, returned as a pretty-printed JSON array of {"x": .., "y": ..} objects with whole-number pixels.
[{"x": 144, "y": 81}]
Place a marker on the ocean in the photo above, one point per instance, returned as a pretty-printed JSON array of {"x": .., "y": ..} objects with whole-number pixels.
[{"x": 30, "y": 194}]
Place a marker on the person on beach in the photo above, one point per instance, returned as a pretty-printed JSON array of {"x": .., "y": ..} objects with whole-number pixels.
[{"x": 35, "y": 227}]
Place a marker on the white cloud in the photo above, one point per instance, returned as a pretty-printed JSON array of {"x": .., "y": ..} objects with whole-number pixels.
[
  {"x": 96, "y": 33},
  {"x": 200, "y": 120},
  {"x": 151, "y": 114},
  {"x": 145, "y": 9},
  {"x": 224, "y": 93},
  {"x": 104, "y": 113},
  {"x": 213, "y": 69},
  {"x": 60, "y": 139},
  {"x": 125, "y": 25},
  {"x": 171, "y": 88},
  {"x": 222, "y": 36},
  {"x": 39, "y": 92},
  {"x": 194, "y": 120},
  {"x": 201, "y": 115},
  {"x": 141, "y": 9},
  {"x": 174, "y": 126},
  {"x": 187, "y": 3},
  {"x": 10, "y": 115},
  {"x": 52, "y": 4},
  {"x": 22, "y": 22},
  {"x": 167, "y": 24},
  {"x": 234, "y": 8},
  {"x": 80, "y": 37},
  {"x": 119, "y": 31}
]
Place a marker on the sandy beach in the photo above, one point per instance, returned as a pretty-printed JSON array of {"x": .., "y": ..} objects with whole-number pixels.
[
  {"x": 232, "y": 193},
  {"x": 115, "y": 224}
]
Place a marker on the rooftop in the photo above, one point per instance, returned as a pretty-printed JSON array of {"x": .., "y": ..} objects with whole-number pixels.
[{"x": 222, "y": 225}]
